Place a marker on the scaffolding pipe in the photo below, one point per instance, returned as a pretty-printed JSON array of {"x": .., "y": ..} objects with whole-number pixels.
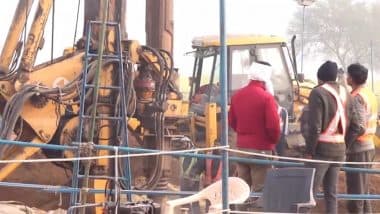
[
  {"x": 87, "y": 164},
  {"x": 37, "y": 145},
  {"x": 202, "y": 156},
  {"x": 60, "y": 189},
  {"x": 224, "y": 101}
]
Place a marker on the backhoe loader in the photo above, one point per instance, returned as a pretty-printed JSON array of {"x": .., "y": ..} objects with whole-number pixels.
[{"x": 291, "y": 89}]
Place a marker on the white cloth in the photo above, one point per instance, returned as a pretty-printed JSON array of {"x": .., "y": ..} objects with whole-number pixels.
[{"x": 260, "y": 72}]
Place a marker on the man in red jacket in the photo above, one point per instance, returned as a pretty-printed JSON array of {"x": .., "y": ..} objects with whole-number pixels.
[{"x": 253, "y": 116}]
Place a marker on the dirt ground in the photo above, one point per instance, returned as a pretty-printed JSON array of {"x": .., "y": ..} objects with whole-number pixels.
[
  {"x": 37, "y": 173},
  {"x": 374, "y": 188}
]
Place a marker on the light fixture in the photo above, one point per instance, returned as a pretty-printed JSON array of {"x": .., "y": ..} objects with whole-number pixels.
[{"x": 305, "y": 3}]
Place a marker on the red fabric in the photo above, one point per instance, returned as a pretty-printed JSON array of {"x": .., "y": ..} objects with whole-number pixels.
[
  {"x": 209, "y": 178},
  {"x": 253, "y": 115}
]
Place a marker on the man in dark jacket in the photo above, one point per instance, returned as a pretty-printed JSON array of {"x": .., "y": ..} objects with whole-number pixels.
[
  {"x": 360, "y": 145},
  {"x": 331, "y": 114},
  {"x": 282, "y": 144},
  {"x": 253, "y": 116}
]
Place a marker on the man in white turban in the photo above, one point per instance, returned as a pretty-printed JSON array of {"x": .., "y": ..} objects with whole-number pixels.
[
  {"x": 261, "y": 71},
  {"x": 253, "y": 116}
]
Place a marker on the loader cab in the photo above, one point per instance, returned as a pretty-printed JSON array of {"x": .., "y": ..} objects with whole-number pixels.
[{"x": 241, "y": 52}]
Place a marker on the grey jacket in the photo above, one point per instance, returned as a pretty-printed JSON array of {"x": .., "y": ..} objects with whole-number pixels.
[
  {"x": 353, "y": 146},
  {"x": 322, "y": 108}
]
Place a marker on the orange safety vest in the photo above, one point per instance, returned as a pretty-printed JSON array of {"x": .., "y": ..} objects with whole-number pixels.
[
  {"x": 370, "y": 104},
  {"x": 209, "y": 179},
  {"x": 332, "y": 134}
]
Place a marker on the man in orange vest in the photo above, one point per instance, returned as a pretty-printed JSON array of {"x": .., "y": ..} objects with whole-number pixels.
[
  {"x": 360, "y": 145},
  {"x": 330, "y": 108}
]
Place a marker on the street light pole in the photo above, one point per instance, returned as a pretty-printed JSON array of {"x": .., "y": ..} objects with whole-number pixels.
[
  {"x": 371, "y": 59},
  {"x": 302, "y": 35},
  {"x": 304, "y": 4}
]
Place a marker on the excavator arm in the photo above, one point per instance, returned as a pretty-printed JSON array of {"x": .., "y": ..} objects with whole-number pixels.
[{"x": 13, "y": 38}]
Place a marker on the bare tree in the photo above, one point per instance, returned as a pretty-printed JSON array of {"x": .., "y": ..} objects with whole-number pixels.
[{"x": 342, "y": 29}]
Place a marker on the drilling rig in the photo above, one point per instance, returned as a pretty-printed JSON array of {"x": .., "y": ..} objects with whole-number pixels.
[{"x": 104, "y": 90}]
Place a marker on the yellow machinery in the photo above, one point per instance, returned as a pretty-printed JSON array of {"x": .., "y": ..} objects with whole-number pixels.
[
  {"x": 40, "y": 103},
  {"x": 291, "y": 89},
  {"x": 242, "y": 50}
]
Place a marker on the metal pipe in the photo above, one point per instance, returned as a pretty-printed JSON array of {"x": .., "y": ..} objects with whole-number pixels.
[
  {"x": 211, "y": 83},
  {"x": 38, "y": 145},
  {"x": 302, "y": 36},
  {"x": 52, "y": 33},
  {"x": 116, "y": 180},
  {"x": 159, "y": 24},
  {"x": 372, "y": 76},
  {"x": 202, "y": 156},
  {"x": 224, "y": 100},
  {"x": 76, "y": 165},
  {"x": 340, "y": 196},
  {"x": 14, "y": 34},
  {"x": 192, "y": 82},
  {"x": 58, "y": 189},
  {"x": 102, "y": 37},
  {"x": 67, "y": 190},
  {"x": 103, "y": 177}
]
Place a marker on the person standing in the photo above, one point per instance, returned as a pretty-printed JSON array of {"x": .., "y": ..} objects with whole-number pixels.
[
  {"x": 190, "y": 181},
  {"x": 253, "y": 116},
  {"x": 360, "y": 146},
  {"x": 331, "y": 113},
  {"x": 284, "y": 120}
]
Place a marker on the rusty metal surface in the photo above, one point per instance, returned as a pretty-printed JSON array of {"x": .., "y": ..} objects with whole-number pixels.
[
  {"x": 116, "y": 13},
  {"x": 159, "y": 24},
  {"x": 44, "y": 121}
]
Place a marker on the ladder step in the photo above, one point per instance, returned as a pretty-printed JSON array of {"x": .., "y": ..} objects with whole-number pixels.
[
  {"x": 103, "y": 87},
  {"x": 106, "y": 56},
  {"x": 119, "y": 118},
  {"x": 107, "y": 23},
  {"x": 102, "y": 117},
  {"x": 101, "y": 177},
  {"x": 166, "y": 136}
]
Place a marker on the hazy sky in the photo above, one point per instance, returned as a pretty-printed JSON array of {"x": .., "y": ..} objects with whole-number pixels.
[
  {"x": 191, "y": 18},
  {"x": 201, "y": 17}
]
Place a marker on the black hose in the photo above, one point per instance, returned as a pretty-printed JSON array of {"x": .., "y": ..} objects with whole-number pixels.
[
  {"x": 11, "y": 115},
  {"x": 165, "y": 74}
]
